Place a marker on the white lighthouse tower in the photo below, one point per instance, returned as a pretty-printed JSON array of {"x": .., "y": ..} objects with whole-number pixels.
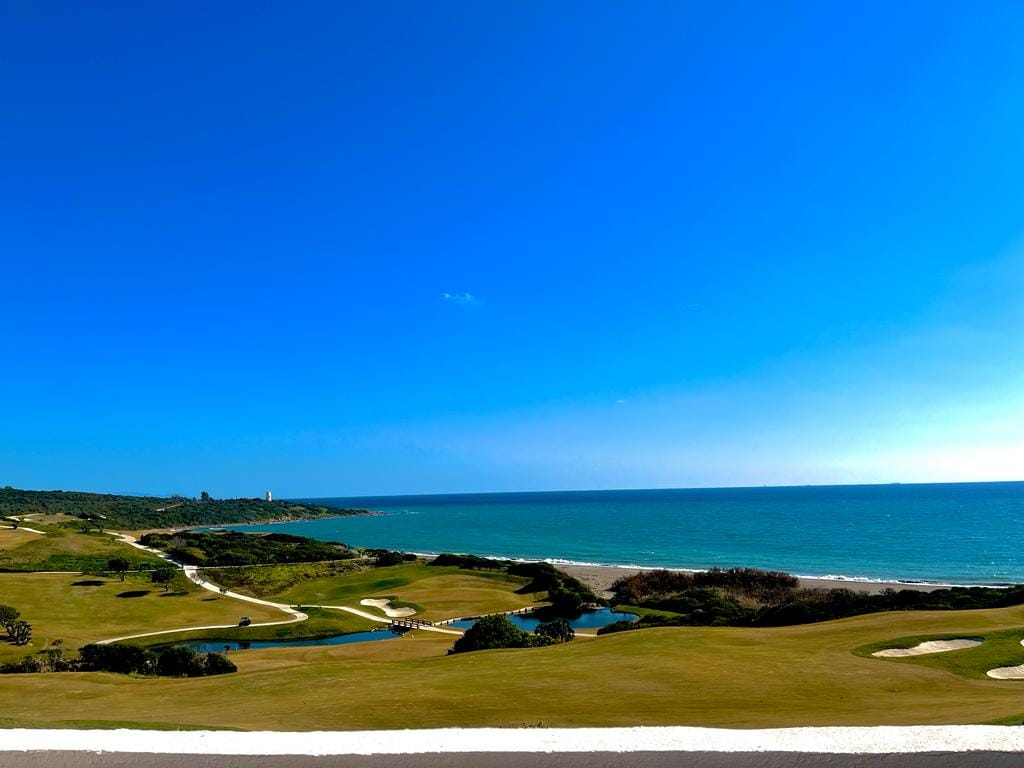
[{"x": 268, "y": 497}]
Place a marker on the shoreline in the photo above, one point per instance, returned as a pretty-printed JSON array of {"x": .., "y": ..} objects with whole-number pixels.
[{"x": 601, "y": 577}]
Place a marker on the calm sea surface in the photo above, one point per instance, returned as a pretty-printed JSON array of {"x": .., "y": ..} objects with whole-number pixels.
[{"x": 967, "y": 533}]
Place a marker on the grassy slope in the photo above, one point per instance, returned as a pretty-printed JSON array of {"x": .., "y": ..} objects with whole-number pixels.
[
  {"x": 83, "y": 614},
  {"x": 64, "y": 549},
  {"x": 806, "y": 675},
  {"x": 435, "y": 592}
]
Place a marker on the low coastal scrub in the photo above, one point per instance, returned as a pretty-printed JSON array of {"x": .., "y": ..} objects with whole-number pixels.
[
  {"x": 749, "y": 597},
  {"x": 497, "y": 631},
  {"x": 568, "y": 596},
  {"x": 231, "y": 548},
  {"x": 141, "y": 512},
  {"x": 270, "y": 580},
  {"x": 126, "y": 660}
]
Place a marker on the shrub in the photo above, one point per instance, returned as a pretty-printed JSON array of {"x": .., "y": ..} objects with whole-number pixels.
[
  {"x": 219, "y": 664},
  {"x": 118, "y": 657},
  {"x": 180, "y": 662},
  {"x": 559, "y": 630},
  {"x": 491, "y": 632}
]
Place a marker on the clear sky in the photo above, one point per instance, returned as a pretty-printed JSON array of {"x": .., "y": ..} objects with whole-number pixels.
[{"x": 365, "y": 248}]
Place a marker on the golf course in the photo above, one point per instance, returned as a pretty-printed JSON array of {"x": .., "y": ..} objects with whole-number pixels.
[{"x": 810, "y": 674}]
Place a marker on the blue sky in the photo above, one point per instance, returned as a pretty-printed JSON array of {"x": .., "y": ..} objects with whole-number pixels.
[{"x": 334, "y": 249}]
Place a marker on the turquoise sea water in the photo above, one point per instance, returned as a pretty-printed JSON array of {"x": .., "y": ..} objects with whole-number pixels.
[{"x": 964, "y": 533}]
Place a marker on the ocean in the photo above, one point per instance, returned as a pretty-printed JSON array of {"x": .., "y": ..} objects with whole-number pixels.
[{"x": 957, "y": 533}]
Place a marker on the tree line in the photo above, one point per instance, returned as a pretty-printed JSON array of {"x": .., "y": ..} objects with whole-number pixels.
[
  {"x": 139, "y": 512},
  {"x": 235, "y": 548},
  {"x": 756, "y": 598}
]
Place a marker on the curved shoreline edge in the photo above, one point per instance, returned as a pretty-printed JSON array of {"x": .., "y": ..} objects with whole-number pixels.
[
  {"x": 868, "y": 583},
  {"x": 818, "y": 740}
]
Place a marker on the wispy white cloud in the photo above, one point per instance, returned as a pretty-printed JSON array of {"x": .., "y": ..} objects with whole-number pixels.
[{"x": 465, "y": 299}]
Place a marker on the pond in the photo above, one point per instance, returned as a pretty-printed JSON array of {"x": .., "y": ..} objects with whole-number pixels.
[
  {"x": 219, "y": 646},
  {"x": 587, "y": 620}
]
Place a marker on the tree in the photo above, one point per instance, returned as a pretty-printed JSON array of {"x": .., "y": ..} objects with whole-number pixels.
[
  {"x": 8, "y": 615},
  {"x": 181, "y": 662},
  {"x": 558, "y": 630},
  {"x": 491, "y": 632},
  {"x": 118, "y": 657},
  {"x": 119, "y": 565},
  {"x": 219, "y": 664},
  {"x": 164, "y": 575},
  {"x": 20, "y": 632},
  {"x": 204, "y": 497}
]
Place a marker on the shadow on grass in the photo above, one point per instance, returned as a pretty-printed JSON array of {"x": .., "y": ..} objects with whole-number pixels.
[
  {"x": 88, "y": 583},
  {"x": 134, "y": 593}
]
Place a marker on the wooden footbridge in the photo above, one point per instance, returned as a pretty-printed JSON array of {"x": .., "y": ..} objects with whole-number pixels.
[{"x": 400, "y": 626}]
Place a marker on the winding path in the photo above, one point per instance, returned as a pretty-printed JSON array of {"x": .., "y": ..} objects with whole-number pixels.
[{"x": 192, "y": 574}]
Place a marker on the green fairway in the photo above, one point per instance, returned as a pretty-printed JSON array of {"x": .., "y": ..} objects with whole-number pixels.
[
  {"x": 63, "y": 548},
  {"x": 83, "y": 609},
  {"x": 435, "y": 592},
  {"x": 729, "y": 677}
]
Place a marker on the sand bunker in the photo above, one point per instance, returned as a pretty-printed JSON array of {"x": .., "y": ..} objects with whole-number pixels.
[
  {"x": 385, "y": 605},
  {"x": 931, "y": 646},
  {"x": 1008, "y": 673}
]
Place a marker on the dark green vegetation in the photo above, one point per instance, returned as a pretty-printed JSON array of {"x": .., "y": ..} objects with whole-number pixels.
[
  {"x": 169, "y": 662},
  {"x": 497, "y": 631},
  {"x": 19, "y": 631},
  {"x": 747, "y": 597},
  {"x": 126, "y": 660},
  {"x": 233, "y": 548},
  {"x": 567, "y": 596},
  {"x": 133, "y": 513}
]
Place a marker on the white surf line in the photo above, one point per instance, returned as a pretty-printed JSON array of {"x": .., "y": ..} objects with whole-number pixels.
[{"x": 830, "y": 740}]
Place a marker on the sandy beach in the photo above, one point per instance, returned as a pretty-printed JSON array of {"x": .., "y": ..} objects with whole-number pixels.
[{"x": 601, "y": 577}]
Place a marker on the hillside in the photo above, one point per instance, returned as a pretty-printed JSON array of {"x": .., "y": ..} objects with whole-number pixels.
[{"x": 143, "y": 512}]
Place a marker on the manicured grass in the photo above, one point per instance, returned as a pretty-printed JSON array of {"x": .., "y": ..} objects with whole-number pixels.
[
  {"x": 57, "y": 608},
  {"x": 68, "y": 549},
  {"x": 726, "y": 677},
  {"x": 1000, "y": 649},
  {"x": 435, "y": 592}
]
